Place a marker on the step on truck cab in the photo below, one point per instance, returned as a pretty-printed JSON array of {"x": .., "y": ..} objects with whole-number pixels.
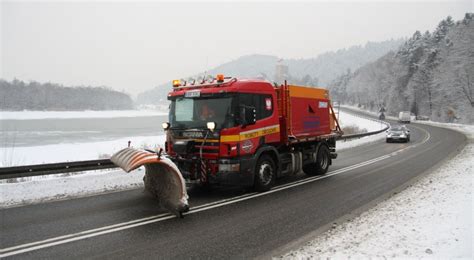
[{"x": 248, "y": 132}]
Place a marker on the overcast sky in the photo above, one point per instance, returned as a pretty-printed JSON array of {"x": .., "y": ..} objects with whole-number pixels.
[{"x": 136, "y": 46}]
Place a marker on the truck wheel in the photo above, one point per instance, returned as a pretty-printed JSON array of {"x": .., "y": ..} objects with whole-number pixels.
[
  {"x": 265, "y": 173},
  {"x": 322, "y": 163}
]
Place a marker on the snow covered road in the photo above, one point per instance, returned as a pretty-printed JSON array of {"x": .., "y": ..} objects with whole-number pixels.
[{"x": 433, "y": 218}]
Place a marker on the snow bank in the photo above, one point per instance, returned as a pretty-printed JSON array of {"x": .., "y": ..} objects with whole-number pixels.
[
  {"x": 433, "y": 218},
  {"x": 368, "y": 112},
  {"x": 342, "y": 145},
  {"x": 37, "y": 191},
  {"x": 468, "y": 130},
  {"x": 346, "y": 119},
  {"x": 370, "y": 125},
  {"x": 73, "y": 151},
  {"x": 24, "y": 115}
]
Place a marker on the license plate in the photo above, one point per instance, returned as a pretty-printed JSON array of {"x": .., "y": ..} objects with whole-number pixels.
[{"x": 192, "y": 94}]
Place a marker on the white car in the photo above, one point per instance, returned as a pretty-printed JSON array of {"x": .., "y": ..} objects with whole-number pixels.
[{"x": 398, "y": 134}]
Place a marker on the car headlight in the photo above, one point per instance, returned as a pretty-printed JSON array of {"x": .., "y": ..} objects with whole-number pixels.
[
  {"x": 389, "y": 135},
  {"x": 403, "y": 135}
]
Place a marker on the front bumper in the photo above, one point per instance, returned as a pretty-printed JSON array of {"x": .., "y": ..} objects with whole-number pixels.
[
  {"x": 397, "y": 139},
  {"x": 243, "y": 177},
  {"x": 235, "y": 172}
]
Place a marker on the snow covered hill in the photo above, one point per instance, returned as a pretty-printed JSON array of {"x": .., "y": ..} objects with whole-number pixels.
[
  {"x": 430, "y": 75},
  {"x": 313, "y": 71}
]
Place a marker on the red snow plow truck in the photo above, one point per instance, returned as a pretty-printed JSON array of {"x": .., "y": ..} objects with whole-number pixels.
[
  {"x": 228, "y": 131},
  {"x": 247, "y": 132}
]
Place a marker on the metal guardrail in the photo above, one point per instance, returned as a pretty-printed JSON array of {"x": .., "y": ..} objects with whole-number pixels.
[
  {"x": 352, "y": 136},
  {"x": 54, "y": 168},
  {"x": 78, "y": 166}
]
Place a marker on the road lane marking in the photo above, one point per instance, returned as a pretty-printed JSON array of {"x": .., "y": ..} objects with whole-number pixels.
[{"x": 28, "y": 247}]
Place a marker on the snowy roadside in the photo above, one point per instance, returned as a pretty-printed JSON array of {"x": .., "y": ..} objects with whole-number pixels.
[
  {"x": 55, "y": 187},
  {"x": 28, "y": 115},
  {"x": 371, "y": 113},
  {"x": 368, "y": 124},
  {"x": 64, "y": 152},
  {"x": 75, "y": 186},
  {"x": 433, "y": 218}
]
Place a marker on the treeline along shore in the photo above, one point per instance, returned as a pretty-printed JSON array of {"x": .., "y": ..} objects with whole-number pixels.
[{"x": 18, "y": 95}]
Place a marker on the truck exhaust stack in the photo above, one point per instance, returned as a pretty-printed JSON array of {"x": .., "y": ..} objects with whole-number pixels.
[{"x": 163, "y": 180}]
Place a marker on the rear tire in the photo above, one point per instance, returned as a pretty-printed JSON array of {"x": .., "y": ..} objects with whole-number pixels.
[
  {"x": 265, "y": 173},
  {"x": 322, "y": 163}
]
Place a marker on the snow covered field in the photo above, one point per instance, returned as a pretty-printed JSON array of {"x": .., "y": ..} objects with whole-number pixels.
[
  {"x": 433, "y": 219},
  {"x": 78, "y": 151},
  {"x": 54, "y": 187},
  {"x": 74, "y": 151},
  {"x": 24, "y": 115}
]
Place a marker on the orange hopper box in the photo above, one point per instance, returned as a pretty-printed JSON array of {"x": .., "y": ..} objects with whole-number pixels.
[{"x": 309, "y": 112}]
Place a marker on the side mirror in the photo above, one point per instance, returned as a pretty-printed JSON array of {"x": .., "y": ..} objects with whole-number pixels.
[
  {"x": 211, "y": 126},
  {"x": 248, "y": 115}
]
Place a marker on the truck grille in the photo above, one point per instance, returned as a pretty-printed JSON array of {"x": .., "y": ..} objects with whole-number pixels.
[{"x": 207, "y": 147}]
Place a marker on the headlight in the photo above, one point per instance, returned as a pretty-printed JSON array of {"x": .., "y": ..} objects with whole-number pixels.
[
  {"x": 389, "y": 135},
  {"x": 403, "y": 135},
  {"x": 235, "y": 167}
]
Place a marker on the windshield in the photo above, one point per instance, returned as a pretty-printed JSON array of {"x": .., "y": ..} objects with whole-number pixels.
[
  {"x": 188, "y": 113},
  {"x": 398, "y": 128}
]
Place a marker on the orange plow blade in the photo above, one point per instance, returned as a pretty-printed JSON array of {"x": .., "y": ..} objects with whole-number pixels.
[{"x": 163, "y": 180}]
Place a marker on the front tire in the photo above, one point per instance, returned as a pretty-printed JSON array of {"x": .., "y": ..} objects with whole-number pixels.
[
  {"x": 322, "y": 163},
  {"x": 265, "y": 173}
]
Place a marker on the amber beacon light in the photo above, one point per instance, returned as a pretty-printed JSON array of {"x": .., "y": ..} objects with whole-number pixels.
[
  {"x": 220, "y": 78},
  {"x": 176, "y": 83}
]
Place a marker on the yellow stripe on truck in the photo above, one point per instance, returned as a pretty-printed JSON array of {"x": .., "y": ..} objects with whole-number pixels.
[{"x": 251, "y": 134}]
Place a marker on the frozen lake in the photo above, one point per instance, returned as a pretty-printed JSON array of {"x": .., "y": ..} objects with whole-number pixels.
[
  {"x": 36, "y": 132},
  {"x": 34, "y": 137},
  {"x": 47, "y": 137}
]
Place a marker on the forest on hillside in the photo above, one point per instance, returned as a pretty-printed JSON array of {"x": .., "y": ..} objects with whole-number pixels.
[
  {"x": 318, "y": 71},
  {"x": 19, "y": 95},
  {"x": 431, "y": 74}
]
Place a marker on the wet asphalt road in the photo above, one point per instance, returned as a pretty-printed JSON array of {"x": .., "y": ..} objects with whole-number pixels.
[{"x": 254, "y": 228}]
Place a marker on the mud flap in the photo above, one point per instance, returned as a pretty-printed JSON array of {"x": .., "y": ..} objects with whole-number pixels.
[{"x": 163, "y": 180}]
